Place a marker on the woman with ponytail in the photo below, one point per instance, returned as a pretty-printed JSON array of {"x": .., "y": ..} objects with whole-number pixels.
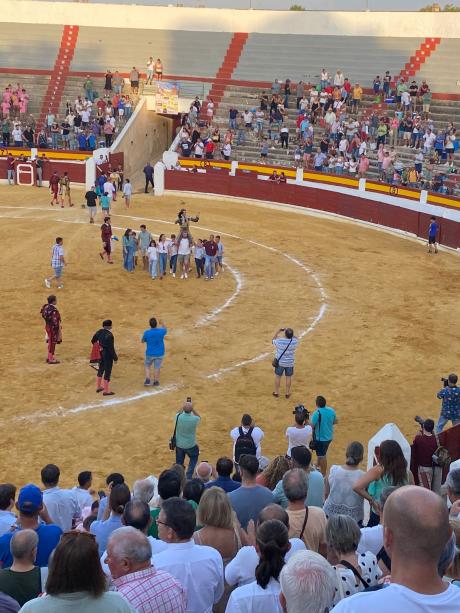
[
  {"x": 119, "y": 498},
  {"x": 262, "y": 595}
]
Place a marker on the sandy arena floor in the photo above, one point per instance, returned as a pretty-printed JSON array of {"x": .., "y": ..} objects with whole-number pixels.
[{"x": 383, "y": 320}]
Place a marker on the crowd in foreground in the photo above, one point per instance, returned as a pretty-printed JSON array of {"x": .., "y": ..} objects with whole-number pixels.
[{"x": 247, "y": 534}]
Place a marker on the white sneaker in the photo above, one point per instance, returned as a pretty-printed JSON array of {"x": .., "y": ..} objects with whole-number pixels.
[
  {"x": 217, "y": 274},
  {"x": 174, "y": 275},
  {"x": 60, "y": 286},
  {"x": 47, "y": 284},
  {"x": 182, "y": 276},
  {"x": 186, "y": 276}
]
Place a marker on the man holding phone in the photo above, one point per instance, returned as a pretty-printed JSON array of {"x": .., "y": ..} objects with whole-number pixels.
[
  {"x": 187, "y": 421},
  {"x": 283, "y": 361}
]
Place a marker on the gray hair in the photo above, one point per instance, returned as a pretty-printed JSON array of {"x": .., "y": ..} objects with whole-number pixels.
[
  {"x": 453, "y": 481},
  {"x": 23, "y": 543},
  {"x": 130, "y": 544},
  {"x": 295, "y": 485},
  {"x": 447, "y": 555},
  {"x": 143, "y": 490},
  {"x": 308, "y": 583},
  {"x": 386, "y": 494},
  {"x": 342, "y": 534}
]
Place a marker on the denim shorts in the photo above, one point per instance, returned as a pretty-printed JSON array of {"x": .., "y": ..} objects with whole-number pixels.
[
  {"x": 58, "y": 272},
  {"x": 219, "y": 259},
  {"x": 150, "y": 359},
  {"x": 287, "y": 370}
]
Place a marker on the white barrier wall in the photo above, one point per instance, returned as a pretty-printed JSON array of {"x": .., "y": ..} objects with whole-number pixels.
[{"x": 444, "y": 25}]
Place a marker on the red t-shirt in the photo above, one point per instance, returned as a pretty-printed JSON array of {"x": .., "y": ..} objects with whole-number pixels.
[
  {"x": 10, "y": 162},
  {"x": 210, "y": 247}
]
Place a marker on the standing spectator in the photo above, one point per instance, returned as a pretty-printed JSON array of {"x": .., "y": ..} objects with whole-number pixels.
[
  {"x": 306, "y": 523},
  {"x": 10, "y": 168},
  {"x": 284, "y": 359},
  {"x": 432, "y": 238},
  {"x": 62, "y": 505},
  {"x": 300, "y": 91},
  {"x": 105, "y": 338},
  {"x": 187, "y": 421},
  {"x": 224, "y": 468},
  {"x": 301, "y": 458},
  {"x": 53, "y": 328},
  {"x": 386, "y": 84},
  {"x": 57, "y": 264},
  {"x": 154, "y": 350},
  {"x": 150, "y": 70},
  {"x": 450, "y": 408},
  {"x": 148, "y": 172},
  {"x": 142, "y": 585},
  {"x": 108, "y": 83},
  {"x": 82, "y": 490},
  {"x": 33, "y": 516},
  {"x": 323, "y": 421},
  {"x": 134, "y": 80},
  {"x": 39, "y": 165},
  {"x": 118, "y": 498},
  {"x": 300, "y": 433},
  {"x": 91, "y": 203},
  {"x": 22, "y": 581},
  {"x": 341, "y": 499},
  {"x": 7, "y": 517},
  {"x": 210, "y": 248},
  {"x": 198, "y": 568},
  {"x": 262, "y": 595},
  {"x": 88, "y": 86},
  {"x": 415, "y": 534},
  {"x": 106, "y": 236},
  {"x": 76, "y": 581},
  {"x": 356, "y": 571},
  {"x": 357, "y": 96},
  {"x": 308, "y": 583},
  {"x": 422, "y": 451},
  {"x": 117, "y": 82},
  {"x": 158, "y": 69},
  {"x": 246, "y": 438},
  {"x": 249, "y": 499}
]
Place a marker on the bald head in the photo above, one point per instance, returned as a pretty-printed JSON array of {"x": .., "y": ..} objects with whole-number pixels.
[
  {"x": 416, "y": 524},
  {"x": 204, "y": 471},
  {"x": 23, "y": 545},
  {"x": 273, "y": 511}
]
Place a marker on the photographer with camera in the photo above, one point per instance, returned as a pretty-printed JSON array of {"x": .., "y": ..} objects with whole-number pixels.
[
  {"x": 300, "y": 434},
  {"x": 184, "y": 437},
  {"x": 450, "y": 409},
  {"x": 283, "y": 362},
  {"x": 422, "y": 450}
]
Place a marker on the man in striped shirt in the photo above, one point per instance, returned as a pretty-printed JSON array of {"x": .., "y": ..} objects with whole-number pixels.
[
  {"x": 147, "y": 589},
  {"x": 284, "y": 359},
  {"x": 57, "y": 263}
]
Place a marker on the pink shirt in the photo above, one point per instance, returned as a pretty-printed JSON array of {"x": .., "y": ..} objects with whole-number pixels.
[{"x": 152, "y": 591}]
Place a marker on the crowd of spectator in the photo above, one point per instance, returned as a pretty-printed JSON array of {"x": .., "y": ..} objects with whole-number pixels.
[{"x": 247, "y": 534}]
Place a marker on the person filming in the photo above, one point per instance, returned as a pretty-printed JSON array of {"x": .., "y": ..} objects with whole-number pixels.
[
  {"x": 283, "y": 361},
  {"x": 450, "y": 409}
]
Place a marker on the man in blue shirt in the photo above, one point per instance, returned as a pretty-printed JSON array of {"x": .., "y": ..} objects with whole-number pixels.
[
  {"x": 32, "y": 514},
  {"x": 323, "y": 420},
  {"x": 224, "y": 468},
  {"x": 432, "y": 232},
  {"x": 155, "y": 350},
  {"x": 450, "y": 409}
]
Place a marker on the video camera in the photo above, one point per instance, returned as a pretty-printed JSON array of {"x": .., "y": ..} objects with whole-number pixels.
[{"x": 302, "y": 411}]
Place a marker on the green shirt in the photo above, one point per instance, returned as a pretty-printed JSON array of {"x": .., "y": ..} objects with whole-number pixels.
[
  {"x": 21, "y": 586},
  {"x": 153, "y": 530},
  {"x": 186, "y": 430}
]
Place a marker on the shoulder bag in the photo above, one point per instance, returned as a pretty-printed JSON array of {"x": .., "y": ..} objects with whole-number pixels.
[
  {"x": 304, "y": 525},
  {"x": 441, "y": 456},
  {"x": 356, "y": 573},
  {"x": 313, "y": 441},
  {"x": 172, "y": 442},
  {"x": 276, "y": 361}
]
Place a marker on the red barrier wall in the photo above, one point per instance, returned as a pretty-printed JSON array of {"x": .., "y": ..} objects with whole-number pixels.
[
  {"x": 76, "y": 170},
  {"x": 248, "y": 186}
]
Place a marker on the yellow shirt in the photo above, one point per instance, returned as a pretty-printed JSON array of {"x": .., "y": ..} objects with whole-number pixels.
[{"x": 357, "y": 93}]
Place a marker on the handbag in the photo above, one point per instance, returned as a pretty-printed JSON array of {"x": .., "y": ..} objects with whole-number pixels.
[
  {"x": 172, "y": 441},
  {"x": 276, "y": 361},
  {"x": 313, "y": 441}
]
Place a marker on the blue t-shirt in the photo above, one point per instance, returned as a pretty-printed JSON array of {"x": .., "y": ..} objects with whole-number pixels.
[
  {"x": 155, "y": 342},
  {"x": 433, "y": 229},
  {"x": 247, "y": 502},
  {"x": 326, "y": 431},
  {"x": 49, "y": 536}
]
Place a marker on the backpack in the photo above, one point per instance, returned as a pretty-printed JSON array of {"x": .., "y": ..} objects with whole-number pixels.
[{"x": 244, "y": 444}]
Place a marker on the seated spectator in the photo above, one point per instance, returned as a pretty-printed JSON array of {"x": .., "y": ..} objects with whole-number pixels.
[
  {"x": 193, "y": 490},
  {"x": 170, "y": 485},
  {"x": 262, "y": 595},
  {"x": 76, "y": 581},
  {"x": 341, "y": 499},
  {"x": 306, "y": 523},
  {"x": 224, "y": 468},
  {"x": 242, "y": 569},
  {"x": 111, "y": 480},
  {"x": 300, "y": 433},
  {"x": 308, "y": 583},
  {"x": 32, "y": 514},
  {"x": 204, "y": 472},
  {"x": 415, "y": 535},
  {"x": 119, "y": 497},
  {"x": 246, "y": 438},
  {"x": 274, "y": 472},
  {"x": 62, "y": 505},
  {"x": 7, "y": 517},
  {"x": 144, "y": 490},
  {"x": 249, "y": 499},
  {"x": 81, "y": 490},
  {"x": 357, "y": 571},
  {"x": 198, "y": 568},
  {"x": 136, "y": 579},
  {"x": 301, "y": 458},
  {"x": 23, "y": 580}
]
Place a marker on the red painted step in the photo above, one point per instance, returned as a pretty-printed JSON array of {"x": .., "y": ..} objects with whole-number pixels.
[{"x": 419, "y": 58}]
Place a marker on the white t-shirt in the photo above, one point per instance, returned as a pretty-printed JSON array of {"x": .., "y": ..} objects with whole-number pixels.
[
  {"x": 109, "y": 188},
  {"x": 127, "y": 189},
  {"x": 17, "y": 134},
  {"x": 247, "y": 117},
  {"x": 199, "y": 148},
  {"x": 252, "y": 598},
  {"x": 298, "y": 437},
  {"x": 227, "y": 149},
  {"x": 152, "y": 252},
  {"x": 257, "y": 436},
  {"x": 184, "y": 247},
  {"x": 399, "y": 599},
  {"x": 405, "y": 98},
  {"x": 84, "y": 116},
  {"x": 371, "y": 539}
]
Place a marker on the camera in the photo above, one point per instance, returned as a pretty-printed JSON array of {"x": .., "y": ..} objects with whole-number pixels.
[
  {"x": 445, "y": 381},
  {"x": 302, "y": 411},
  {"x": 419, "y": 420}
]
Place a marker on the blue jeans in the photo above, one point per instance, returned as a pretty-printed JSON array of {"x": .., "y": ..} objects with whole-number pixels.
[
  {"x": 128, "y": 260},
  {"x": 232, "y": 124},
  {"x": 54, "y": 140},
  {"x": 209, "y": 266},
  {"x": 162, "y": 259},
  {"x": 153, "y": 268},
  {"x": 90, "y": 95},
  {"x": 241, "y": 137},
  {"x": 192, "y": 454},
  {"x": 442, "y": 421},
  {"x": 173, "y": 263}
]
